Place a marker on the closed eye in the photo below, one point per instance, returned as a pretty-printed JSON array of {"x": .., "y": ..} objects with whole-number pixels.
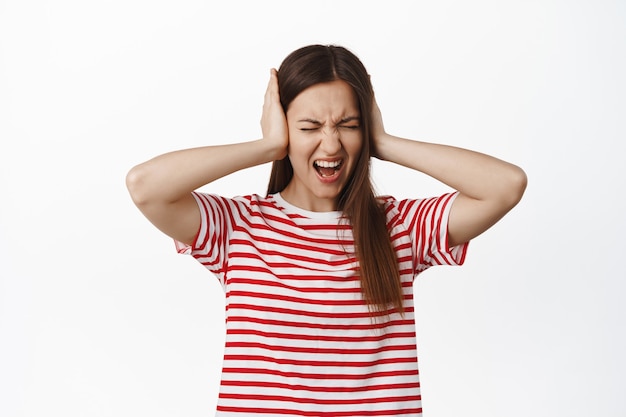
[{"x": 351, "y": 122}]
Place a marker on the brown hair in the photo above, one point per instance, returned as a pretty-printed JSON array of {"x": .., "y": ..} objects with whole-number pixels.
[{"x": 378, "y": 264}]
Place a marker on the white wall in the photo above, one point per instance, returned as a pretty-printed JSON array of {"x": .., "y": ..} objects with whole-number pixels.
[{"x": 99, "y": 316}]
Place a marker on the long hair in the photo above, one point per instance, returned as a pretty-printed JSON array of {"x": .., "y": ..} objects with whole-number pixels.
[{"x": 378, "y": 265}]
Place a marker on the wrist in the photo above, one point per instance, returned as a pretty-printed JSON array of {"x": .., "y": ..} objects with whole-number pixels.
[
  {"x": 381, "y": 146},
  {"x": 271, "y": 152}
]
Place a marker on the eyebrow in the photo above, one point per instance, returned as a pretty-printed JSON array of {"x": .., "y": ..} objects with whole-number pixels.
[
  {"x": 344, "y": 120},
  {"x": 316, "y": 122},
  {"x": 349, "y": 119}
]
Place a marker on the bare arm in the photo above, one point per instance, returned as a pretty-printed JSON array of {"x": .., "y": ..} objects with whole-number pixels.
[
  {"x": 161, "y": 187},
  {"x": 488, "y": 187}
]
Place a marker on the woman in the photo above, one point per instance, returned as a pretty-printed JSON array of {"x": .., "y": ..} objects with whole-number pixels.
[{"x": 318, "y": 273}]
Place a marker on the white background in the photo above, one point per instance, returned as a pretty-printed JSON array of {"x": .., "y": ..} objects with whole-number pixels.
[{"x": 100, "y": 317}]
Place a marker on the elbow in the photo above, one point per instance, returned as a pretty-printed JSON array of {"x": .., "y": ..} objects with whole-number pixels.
[
  {"x": 136, "y": 185},
  {"x": 517, "y": 182}
]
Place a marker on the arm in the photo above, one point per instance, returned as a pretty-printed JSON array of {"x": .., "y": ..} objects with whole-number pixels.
[
  {"x": 161, "y": 187},
  {"x": 488, "y": 187}
]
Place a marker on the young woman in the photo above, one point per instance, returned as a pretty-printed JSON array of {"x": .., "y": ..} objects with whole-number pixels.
[{"x": 318, "y": 274}]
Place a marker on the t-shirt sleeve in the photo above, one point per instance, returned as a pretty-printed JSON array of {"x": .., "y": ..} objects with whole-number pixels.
[
  {"x": 427, "y": 223},
  {"x": 210, "y": 246}
]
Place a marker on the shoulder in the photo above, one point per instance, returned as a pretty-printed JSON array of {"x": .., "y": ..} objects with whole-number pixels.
[
  {"x": 401, "y": 209},
  {"x": 238, "y": 206},
  {"x": 250, "y": 200},
  {"x": 388, "y": 201},
  {"x": 391, "y": 208},
  {"x": 392, "y": 205}
]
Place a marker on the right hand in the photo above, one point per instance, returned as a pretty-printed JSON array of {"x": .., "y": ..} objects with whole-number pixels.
[
  {"x": 273, "y": 120},
  {"x": 378, "y": 130}
]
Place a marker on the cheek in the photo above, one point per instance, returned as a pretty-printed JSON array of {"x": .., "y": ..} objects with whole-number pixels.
[
  {"x": 354, "y": 146},
  {"x": 298, "y": 147}
]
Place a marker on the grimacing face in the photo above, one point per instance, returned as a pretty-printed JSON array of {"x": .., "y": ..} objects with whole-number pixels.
[{"x": 325, "y": 140}]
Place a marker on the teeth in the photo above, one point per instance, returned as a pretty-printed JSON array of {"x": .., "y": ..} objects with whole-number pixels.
[{"x": 328, "y": 164}]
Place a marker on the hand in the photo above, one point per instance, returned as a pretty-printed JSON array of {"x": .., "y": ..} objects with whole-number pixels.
[
  {"x": 273, "y": 120},
  {"x": 378, "y": 129}
]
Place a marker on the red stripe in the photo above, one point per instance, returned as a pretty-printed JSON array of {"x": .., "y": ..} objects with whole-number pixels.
[
  {"x": 344, "y": 257},
  {"x": 280, "y": 284},
  {"x": 325, "y": 388},
  {"x": 325, "y": 326},
  {"x": 308, "y": 362},
  {"x": 282, "y": 277},
  {"x": 314, "y": 227},
  {"x": 326, "y": 401},
  {"x": 274, "y": 206},
  {"x": 263, "y": 227},
  {"x": 333, "y": 315},
  {"x": 304, "y": 301},
  {"x": 299, "y": 300},
  {"x": 279, "y": 411},
  {"x": 320, "y": 337},
  {"x": 425, "y": 231},
  {"x": 326, "y": 376},
  {"x": 435, "y": 223},
  {"x": 318, "y": 350},
  {"x": 290, "y": 266}
]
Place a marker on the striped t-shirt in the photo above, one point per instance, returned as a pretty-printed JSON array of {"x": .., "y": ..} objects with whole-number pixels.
[{"x": 300, "y": 340}]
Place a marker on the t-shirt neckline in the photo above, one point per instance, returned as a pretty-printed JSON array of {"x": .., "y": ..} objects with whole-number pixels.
[{"x": 329, "y": 215}]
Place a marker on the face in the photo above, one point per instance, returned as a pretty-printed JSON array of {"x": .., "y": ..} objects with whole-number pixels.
[{"x": 325, "y": 140}]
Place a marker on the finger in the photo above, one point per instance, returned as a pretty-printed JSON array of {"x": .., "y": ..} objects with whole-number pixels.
[
  {"x": 274, "y": 82},
  {"x": 271, "y": 94},
  {"x": 269, "y": 87}
]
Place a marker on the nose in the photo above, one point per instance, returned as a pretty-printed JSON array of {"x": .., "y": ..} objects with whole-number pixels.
[{"x": 330, "y": 141}]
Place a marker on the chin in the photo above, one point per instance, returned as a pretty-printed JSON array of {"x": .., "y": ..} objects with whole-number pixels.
[{"x": 329, "y": 195}]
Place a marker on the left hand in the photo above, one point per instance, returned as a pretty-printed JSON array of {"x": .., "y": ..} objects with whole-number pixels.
[{"x": 378, "y": 129}]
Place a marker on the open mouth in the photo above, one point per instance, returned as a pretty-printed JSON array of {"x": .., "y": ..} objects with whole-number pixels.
[{"x": 327, "y": 168}]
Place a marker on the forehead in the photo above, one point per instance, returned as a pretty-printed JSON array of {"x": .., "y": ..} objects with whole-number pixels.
[{"x": 334, "y": 99}]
